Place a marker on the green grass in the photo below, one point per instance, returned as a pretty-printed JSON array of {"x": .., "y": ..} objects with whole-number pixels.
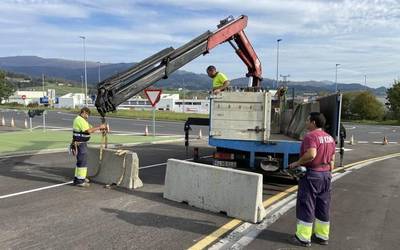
[
  {"x": 134, "y": 114},
  {"x": 160, "y": 115},
  {"x": 38, "y": 140},
  {"x": 60, "y": 90},
  {"x": 370, "y": 122}
]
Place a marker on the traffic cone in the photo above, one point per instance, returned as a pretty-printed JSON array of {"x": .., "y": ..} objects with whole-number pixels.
[
  {"x": 200, "y": 134},
  {"x": 146, "y": 131},
  {"x": 3, "y": 122},
  {"x": 26, "y": 123},
  {"x": 12, "y": 122},
  {"x": 385, "y": 141},
  {"x": 352, "y": 140}
]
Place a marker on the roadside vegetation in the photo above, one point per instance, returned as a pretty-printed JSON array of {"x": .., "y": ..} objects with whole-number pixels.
[
  {"x": 125, "y": 113},
  {"x": 363, "y": 107},
  {"x": 357, "y": 107}
]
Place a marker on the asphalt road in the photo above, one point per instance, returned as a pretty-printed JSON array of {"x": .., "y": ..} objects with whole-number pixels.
[
  {"x": 372, "y": 133},
  {"x": 119, "y": 125},
  {"x": 364, "y": 213},
  {"x": 98, "y": 218},
  {"x": 361, "y": 133}
]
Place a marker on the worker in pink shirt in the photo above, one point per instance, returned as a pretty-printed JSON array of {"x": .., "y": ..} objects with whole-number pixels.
[{"x": 317, "y": 154}]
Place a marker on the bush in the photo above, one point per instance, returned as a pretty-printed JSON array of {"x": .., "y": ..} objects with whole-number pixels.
[{"x": 33, "y": 105}]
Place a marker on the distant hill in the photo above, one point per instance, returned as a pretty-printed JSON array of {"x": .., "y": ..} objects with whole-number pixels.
[{"x": 73, "y": 70}]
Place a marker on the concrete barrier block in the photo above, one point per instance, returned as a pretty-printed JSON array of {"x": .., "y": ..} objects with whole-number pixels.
[
  {"x": 237, "y": 193},
  {"x": 119, "y": 167}
]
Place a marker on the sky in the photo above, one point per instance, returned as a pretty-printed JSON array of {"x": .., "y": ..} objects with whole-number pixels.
[{"x": 363, "y": 36}]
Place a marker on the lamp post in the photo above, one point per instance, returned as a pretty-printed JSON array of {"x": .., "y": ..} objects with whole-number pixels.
[
  {"x": 83, "y": 92},
  {"x": 365, "y": 81},
  {"x": 99, "y": 71},
  {"x": 84, "y": 59},
  {"x": 277, "y": 61},
  {"x": 285, "y": 79},
  {"x": 336, "y": 89}
]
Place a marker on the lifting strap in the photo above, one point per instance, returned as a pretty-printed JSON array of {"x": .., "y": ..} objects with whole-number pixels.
[{"x": 103, "y": 144}]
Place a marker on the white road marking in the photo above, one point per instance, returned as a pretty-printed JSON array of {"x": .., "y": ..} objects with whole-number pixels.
[
  {"x": 35, "y": 190},
  {"x": 345, "y": 149},
  {"x": 374, "y": 132},
  {"x": 165, "y": 163},
  {"x": 70, "y": 182},
  {"x": 40, "y": 152},
  {"x": 362, "y": 142}
]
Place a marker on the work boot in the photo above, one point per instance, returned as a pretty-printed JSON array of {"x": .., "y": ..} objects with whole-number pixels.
[
  {"x": 318, "y": 240},
  {"x": 84, "y": 184},
  {"x": 294, "y": 240}
]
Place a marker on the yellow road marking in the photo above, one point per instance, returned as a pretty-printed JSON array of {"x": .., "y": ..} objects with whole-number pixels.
[
  {"x": 268, "y": 202},
  {"x": 216, "y": 235},
  {"x": 205, "y": 242}
]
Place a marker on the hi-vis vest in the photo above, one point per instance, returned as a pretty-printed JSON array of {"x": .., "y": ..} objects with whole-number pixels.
[
  {"x": 219, "y": 79},
  {"x": 79, "y": 127}
]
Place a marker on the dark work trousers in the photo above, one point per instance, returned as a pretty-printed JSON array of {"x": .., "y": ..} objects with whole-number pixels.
[
  {"x": 314, "y": 196},
  {"x": 81, "y": 162}
]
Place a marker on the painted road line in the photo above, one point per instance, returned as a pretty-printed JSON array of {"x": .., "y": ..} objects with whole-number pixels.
[
  {"x": 344, "y": 149},
  {"x": 205, "y": 242},
  {"x": 165, "y": 163},
  {"x": 216, "y": 235},
  {"x": 237, "y": 240},
  {"x": 62, "y": 150},
  {"x": 35, "y": 190},
  {"x": 362, "y": 142},
  {"x": 70, "y": 182},
  {"x": 34, "y": 152}
]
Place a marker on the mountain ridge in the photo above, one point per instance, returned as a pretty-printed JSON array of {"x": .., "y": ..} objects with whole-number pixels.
[{"x": 72, "y": 70}]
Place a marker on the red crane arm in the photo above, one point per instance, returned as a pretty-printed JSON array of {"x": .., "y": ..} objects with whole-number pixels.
[{"x": 233, "y": 29}]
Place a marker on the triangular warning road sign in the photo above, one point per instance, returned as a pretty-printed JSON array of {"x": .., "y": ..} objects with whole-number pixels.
[{"x": 153, "y": 95}]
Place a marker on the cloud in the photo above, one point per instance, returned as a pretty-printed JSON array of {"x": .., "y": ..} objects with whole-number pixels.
[{"x": 361, "y": 35}]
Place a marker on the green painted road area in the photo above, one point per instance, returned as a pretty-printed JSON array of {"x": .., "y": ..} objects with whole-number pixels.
[{"x": 40, "y": 140}]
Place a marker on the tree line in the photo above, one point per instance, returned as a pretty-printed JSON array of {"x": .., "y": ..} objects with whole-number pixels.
[{"x": 363, "y": 105}]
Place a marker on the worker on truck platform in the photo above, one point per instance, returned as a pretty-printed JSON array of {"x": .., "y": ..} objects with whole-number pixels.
[
  {"x": 80, "y": 136},
  {"x": 219, "y": 80},
  {"x": 317, "y": 154}
]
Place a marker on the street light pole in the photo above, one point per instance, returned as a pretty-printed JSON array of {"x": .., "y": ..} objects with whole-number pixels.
[
  {"x": 365, "y": 81},
  {"x": 284, "y": 79},
  {"x": 336, "y": 89},
  {"x": 43, "y": 85},
  {"x": 84, "y": 59},
  {"x": 99, "y": 71},
  {"x": 277, "y": 62},
  {"x": 83, "y": 92}
]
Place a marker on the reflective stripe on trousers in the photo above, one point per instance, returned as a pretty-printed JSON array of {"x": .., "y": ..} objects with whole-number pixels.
[
  {"x": 321, "y": 229},
  {"x": 304, "y": 230},
  {"x": 81, "y": 163},
  {"x": 313, "y": 202}
]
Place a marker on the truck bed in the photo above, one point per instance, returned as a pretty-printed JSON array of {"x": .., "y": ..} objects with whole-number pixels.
[{"x": 281, "y": 137}]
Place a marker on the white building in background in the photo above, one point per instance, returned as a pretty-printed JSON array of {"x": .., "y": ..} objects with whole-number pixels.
[
  {"x": 26, "y": 97},
  {"x": 71, "y": 100},
  {"x": 169, "y": 102}
]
